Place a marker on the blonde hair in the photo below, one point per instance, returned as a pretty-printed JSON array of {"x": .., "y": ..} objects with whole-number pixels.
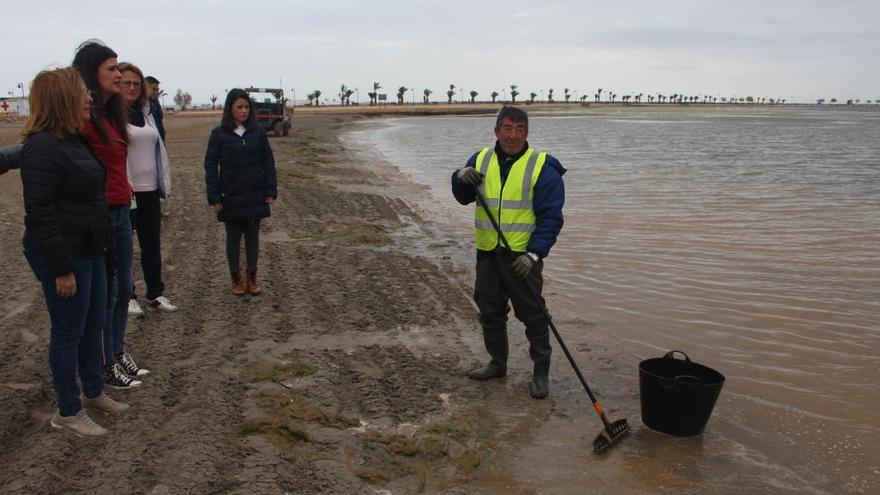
[
  {"x": 55, "y": 103},
  {"x": 142, "y": 97}
]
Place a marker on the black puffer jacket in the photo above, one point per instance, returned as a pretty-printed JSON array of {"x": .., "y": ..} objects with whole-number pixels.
[
  {"x": 240, "y": 173},
  {"x": 66, "y": 215}
]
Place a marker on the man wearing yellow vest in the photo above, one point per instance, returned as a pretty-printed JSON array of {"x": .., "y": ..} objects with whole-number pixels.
[{"x": 525, "y": 193}]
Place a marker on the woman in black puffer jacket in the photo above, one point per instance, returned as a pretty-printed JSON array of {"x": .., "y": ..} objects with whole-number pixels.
[
  {"x": 241, "y": 183},
  {"x": 67, "y": 230}
]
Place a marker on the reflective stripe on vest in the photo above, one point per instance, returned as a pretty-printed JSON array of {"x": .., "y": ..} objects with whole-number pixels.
[{"x": 512, "y": 206}]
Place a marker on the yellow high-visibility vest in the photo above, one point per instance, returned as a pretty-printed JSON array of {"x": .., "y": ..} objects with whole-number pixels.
[{"x": 512, "y": 206}]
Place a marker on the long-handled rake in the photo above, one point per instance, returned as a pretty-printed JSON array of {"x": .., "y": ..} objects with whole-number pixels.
[{"x": 612, "y": 432}]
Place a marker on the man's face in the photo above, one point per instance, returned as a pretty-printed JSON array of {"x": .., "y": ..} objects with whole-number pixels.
[
  {"x": 512, "y": 136},
  {"x": 152, "y": 89}
]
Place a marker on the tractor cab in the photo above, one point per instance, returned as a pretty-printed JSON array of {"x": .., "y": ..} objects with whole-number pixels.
[{"x": 271, "y": 110}]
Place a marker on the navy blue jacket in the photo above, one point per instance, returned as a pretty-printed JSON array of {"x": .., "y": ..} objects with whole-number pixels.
[
  {"x": 10, "y": 158},
  {"x": 240, "y": 173},
  {"x": 547, "y": 203}
]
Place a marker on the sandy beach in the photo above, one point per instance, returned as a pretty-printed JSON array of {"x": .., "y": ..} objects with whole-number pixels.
[{"x": 345, "y": 376}]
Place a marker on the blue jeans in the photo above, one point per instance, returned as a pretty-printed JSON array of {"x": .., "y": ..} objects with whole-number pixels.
[
  {"x": 75, "y": 334},
  {"x": 119, "y": 277}
]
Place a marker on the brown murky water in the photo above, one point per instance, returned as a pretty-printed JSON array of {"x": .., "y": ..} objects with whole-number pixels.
[{"x": 750, "y": 239}]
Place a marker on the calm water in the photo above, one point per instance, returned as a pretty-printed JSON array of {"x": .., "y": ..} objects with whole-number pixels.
[{"x": 748, "y": 238}]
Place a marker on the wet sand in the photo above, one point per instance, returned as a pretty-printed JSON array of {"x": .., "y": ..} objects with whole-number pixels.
[{"x": 345, "y": 376}]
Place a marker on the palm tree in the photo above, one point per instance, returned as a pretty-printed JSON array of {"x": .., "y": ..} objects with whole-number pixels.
[
  {"x": 567, "y": 96},
  {"x": 598, "y": 95},
  {"x": 550, "y": 95},
  {"x": 583, "y": 98},
  {"x": 375, "y": 94},
  {"x": 427, "y": 98},
  {"x": 400, "y": 92},
  {"x": 342, "y": 90},
  {"x": 474, "y": 96},
  {"x": 347, "y": 94},
  {"x": 532, "y": 96},
  {"x": 513, "y": 93},
  {"x": 494, "y": 95},
  {"x": 213, "y": 101},
  {"x": 317, "y": 94},
  {"x": 450, "y": 93}
]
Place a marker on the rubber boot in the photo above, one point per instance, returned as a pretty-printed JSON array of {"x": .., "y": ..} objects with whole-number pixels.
[
  {"x": 539, "y": 387},
  {"x": 237, "y": 288},
  {"x": 252, "y": 287},
  {"x": 539, "y": 350},
  {"x": 495, "y": 340}
]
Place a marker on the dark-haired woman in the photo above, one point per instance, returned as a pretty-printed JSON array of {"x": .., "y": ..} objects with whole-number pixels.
[
  {"x": 148, "y": 168},
  {"x": 241, "y": 183},
  {"x": 67, "y": 228},
  {"x": 108, "y": 139}
]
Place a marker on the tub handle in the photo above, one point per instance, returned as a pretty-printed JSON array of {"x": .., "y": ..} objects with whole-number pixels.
[{"x": 670, "y": 355}]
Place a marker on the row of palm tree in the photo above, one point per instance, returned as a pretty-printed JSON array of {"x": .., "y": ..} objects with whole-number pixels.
[
  {"x": 833, "y": 101},
  {"x": 609, "y": 96}
]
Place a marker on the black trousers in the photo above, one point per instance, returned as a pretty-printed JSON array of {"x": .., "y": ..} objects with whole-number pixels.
[
  {"x": 147, "y": 222},
  {"x": 495, "y": 286},
  {"x": 250, "y": 229}
]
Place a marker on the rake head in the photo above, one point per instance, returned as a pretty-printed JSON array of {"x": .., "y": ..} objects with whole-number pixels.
[{"x": 606, "y": 438}]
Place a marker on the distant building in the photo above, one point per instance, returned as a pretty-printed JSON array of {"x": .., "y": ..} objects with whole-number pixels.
[{"x": 14, "y": 107}]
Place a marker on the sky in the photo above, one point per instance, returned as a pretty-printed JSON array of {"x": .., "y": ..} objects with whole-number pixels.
[{"x": 794, "y": 50}]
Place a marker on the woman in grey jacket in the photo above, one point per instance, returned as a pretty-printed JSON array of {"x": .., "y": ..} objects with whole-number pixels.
[{"x": 148, "y": 172}]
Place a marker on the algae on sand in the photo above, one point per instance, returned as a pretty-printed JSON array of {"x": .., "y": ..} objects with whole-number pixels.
[{"x": 264, "y": 371}]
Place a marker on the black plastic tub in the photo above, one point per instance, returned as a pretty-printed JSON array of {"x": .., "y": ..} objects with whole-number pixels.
[{"x": 677, "y": 395}]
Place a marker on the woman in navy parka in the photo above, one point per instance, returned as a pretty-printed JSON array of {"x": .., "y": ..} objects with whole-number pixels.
[{"x": 241, "y": 183}]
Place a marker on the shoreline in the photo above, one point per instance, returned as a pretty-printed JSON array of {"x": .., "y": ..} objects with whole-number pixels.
[{"x": 347, "y": 373}]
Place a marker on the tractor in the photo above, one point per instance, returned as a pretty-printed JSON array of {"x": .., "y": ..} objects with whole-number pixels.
[{"x": 272, "y": 114}]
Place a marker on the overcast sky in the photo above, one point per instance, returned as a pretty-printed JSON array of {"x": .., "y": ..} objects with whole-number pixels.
[{"x": 798, "y": 50}]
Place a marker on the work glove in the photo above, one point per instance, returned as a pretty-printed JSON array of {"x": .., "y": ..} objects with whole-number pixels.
[
  {"x": 524, "y": 263},
  {"x": 470, "y": 177}
]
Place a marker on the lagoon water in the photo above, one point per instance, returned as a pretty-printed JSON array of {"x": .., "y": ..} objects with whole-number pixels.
[{"x": 749, "y": 238}]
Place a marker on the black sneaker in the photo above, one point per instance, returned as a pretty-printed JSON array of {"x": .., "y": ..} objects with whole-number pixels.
[
  {"x": 115, "y": 377},
  {"x": 130, "y": 367}
]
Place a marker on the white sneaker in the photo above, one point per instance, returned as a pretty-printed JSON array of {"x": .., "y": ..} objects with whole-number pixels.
[
  {"x": 162, "y": 304},
  {"x": 134, "y": 309}
]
